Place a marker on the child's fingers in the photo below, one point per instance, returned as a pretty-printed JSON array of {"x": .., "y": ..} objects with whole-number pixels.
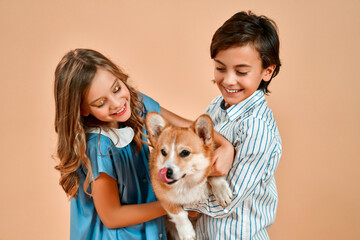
[{"x": 223, "y": 159}]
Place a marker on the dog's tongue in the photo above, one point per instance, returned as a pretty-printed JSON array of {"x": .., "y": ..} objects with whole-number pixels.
[{"x": 162, "y": 176}]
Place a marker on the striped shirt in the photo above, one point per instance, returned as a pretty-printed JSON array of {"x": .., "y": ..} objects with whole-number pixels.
[{"x": 251, "y": 128}]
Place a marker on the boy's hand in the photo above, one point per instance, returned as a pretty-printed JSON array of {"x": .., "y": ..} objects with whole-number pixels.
[{"x": 223, "y": 159}]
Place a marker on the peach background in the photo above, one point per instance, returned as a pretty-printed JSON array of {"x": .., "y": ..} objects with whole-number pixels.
[{"x": 164, "y": 46}]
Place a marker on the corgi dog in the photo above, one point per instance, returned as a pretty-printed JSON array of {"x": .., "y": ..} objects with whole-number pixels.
[{"x": 180, "y": 163}]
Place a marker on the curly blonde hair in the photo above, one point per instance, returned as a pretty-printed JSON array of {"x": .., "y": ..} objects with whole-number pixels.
[{"x": 73, "y": 76}]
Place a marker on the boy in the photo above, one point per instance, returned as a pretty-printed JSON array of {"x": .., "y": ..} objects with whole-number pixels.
[{"x": 245, "y": 50}]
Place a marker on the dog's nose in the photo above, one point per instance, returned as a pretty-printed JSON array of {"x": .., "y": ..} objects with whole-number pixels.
[{"x": 169, "y": 173}]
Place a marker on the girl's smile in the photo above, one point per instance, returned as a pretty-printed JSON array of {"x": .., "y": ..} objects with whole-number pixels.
[{"x": 121, "y": 111}]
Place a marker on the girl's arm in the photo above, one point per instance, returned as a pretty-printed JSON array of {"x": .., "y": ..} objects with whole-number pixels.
[
  {"x": 224, "y": 154},
  {"x": 112, "y": 213}
]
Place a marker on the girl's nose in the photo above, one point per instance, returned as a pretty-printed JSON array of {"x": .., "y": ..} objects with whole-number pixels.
[{"x": 115, "y": 103}]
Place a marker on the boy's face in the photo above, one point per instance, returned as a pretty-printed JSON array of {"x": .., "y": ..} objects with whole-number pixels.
[{"x": 238, "y": 73}]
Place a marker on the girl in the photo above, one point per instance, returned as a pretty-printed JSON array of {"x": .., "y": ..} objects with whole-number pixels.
[{"x": 103, "y": 158}]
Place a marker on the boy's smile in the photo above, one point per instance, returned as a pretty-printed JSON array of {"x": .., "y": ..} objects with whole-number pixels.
[{"x": 238, "y": 73}]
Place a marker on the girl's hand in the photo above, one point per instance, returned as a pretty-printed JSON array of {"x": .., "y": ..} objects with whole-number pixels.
[
  {"x": 223, "y": 158},
  {"x": 193, "y": 214}
]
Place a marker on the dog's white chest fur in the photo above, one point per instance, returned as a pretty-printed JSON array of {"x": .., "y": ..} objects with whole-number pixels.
[{"x": 185, "y": 195}]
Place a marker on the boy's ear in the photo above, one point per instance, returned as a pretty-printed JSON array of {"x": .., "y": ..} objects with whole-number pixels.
[{"x": 268, "y": 72}]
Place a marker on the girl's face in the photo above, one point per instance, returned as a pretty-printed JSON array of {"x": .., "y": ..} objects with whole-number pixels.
[
  {"x": 108, "y": 99},
  {"x": 238, "y": 73}
]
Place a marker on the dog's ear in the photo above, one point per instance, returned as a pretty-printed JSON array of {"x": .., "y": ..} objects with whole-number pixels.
[
  {"x": 204, "y": 129},
  {"x": 155, "y": 123}
]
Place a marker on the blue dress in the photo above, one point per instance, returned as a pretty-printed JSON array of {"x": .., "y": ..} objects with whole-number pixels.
[{"x": 131, "y": 171}]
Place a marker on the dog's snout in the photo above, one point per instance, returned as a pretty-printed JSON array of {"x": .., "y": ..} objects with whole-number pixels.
[{"x": 169, "y": 173}]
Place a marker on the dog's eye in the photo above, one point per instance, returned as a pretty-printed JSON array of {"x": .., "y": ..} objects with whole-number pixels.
[
  {"x": 184, "y": 153},
  {"x": 163, "y": 152}
]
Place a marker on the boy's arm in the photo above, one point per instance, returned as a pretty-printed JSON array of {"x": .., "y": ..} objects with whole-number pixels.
[
  {"x": 256, "y": 155},
  {"x": 224, "y": 154}
]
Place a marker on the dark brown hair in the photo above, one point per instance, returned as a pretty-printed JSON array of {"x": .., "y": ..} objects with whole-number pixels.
[{"x": 247, "y": 28}]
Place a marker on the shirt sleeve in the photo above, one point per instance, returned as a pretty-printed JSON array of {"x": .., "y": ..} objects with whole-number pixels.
[{"x": 254, "y": 149}]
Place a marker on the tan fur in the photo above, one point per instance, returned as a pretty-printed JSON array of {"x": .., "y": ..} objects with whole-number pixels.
[
  {"x": 190, "y": 172},
  {"x": 185, "y": 138}
]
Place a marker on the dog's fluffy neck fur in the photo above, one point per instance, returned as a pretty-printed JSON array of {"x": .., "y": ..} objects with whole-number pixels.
[{"x": 189, "y": 192}]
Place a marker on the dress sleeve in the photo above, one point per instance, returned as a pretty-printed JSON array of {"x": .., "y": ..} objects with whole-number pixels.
[
  {"x": 150, "y": 105},
  {"x": 101, "y": 151},
  {"x": 254, "y": 150}
]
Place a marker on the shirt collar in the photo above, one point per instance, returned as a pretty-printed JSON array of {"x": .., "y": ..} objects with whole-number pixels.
[
  {"x": 236, "y": 110},
  {"x": 121, "y": 137}
]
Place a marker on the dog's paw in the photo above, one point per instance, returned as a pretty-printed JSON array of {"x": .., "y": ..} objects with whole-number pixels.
[
  {"x": 223, "y": 195},
  {"x": 187, "y": 236},
  {"x": 184, "y": 228},
  {"x": 221, "y": 190}
]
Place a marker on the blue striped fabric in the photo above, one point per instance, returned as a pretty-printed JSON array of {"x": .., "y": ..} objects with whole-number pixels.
[{"x": 250, "y": 126}]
